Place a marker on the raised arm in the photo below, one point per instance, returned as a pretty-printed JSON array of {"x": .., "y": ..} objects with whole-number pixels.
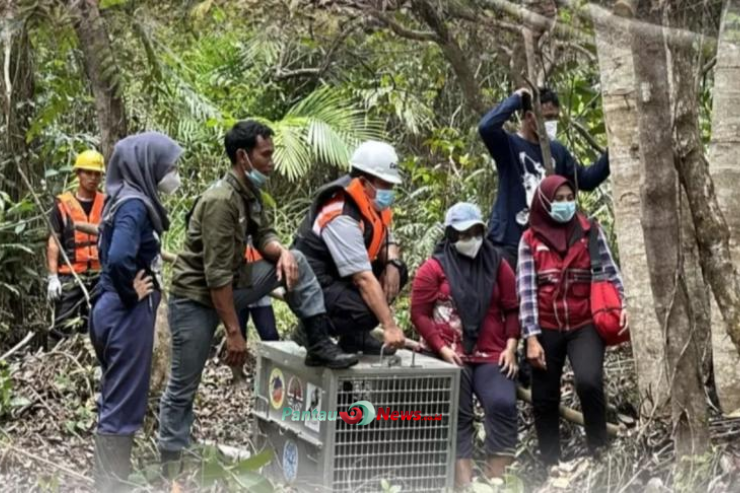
[{"x": 491, "y": 126}]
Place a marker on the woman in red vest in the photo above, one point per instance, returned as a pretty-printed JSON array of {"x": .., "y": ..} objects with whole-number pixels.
[
  {"x": 554, "y": 283},
  {"x": 464, "y": 306}
]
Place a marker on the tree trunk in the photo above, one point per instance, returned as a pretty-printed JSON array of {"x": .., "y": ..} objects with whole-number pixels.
[
  {"x": 16, "y": 89},
  {"x": 661, "y": 222},
  {"x": 620, "y": 115},
  {"x": 712, "y": 231},
  {"x": 724, "y": 168},
  {"x": 685, "y": 68},
  {"x": 102, "y": 73},
  {"x": 470, "y": 87}
]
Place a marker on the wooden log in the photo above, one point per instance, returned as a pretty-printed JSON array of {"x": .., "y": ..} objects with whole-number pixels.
[{"x": 523, "y": 394}]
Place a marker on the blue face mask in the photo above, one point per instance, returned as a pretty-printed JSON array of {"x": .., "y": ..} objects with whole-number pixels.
[
  {"x": 257, "y": 178},
  {"x": 562, "y": 212},
  {"x": 384, "y": 199}
]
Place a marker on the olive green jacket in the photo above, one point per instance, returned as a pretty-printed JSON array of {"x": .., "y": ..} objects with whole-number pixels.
[{"x": 219, "y": 225}]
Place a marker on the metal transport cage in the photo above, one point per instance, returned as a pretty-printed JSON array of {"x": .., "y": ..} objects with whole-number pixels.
[{"x": 413, "y": 448}]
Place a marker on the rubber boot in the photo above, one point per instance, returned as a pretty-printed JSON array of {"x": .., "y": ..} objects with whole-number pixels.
[
  {"x": 112, "y": 463},
  {"x": 299, "y": 335},
  {"x": 363, "y": 342},
  {"x": 171, "y": 463},
  {"x": 497, "y": 464},
  {"x": 321, "y": 350}
]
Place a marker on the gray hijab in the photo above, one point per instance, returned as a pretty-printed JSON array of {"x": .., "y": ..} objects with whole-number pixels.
[{"x": 138, "y": 164}]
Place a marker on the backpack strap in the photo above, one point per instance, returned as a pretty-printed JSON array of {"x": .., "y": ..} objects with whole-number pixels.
[{"x": 597, "y": 269}]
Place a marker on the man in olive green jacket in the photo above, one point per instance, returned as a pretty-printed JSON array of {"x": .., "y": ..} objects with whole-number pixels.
[{"x": 212, "y": 281}]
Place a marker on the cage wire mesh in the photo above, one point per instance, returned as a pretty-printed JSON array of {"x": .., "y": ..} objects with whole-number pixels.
[{"x": 334, "y": 456}]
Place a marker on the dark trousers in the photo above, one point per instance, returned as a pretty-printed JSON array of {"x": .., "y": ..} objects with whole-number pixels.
[
  {"x": 347, "y": 309},
  {"x": 497, "y": 395},
  {"x": 585, "y": 350},
  {"x": 71, "y": 311},
  {"x": 123, "y": 339},
  {"x": 264, "y": 321}
]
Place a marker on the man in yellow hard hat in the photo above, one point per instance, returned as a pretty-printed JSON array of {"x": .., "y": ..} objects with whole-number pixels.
[{"x": 83, "y": 206}]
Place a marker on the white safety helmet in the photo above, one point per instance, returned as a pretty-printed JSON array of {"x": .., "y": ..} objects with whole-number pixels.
[{"x": 377, "y": 159}]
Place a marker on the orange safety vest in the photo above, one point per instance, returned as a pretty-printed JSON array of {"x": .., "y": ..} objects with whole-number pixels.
[
  {"x": 380, "y": 221},
  {"x": 252, "y": 255},
  {"x": 81, "y": 248}
]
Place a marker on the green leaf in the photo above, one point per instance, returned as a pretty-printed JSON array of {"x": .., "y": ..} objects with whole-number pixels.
[
  {"x": 106, "y": 4},
  {"x": 255, "y": 462},
  {"x": 20, "y": 402},
  {"x": 254, "y": 482}
]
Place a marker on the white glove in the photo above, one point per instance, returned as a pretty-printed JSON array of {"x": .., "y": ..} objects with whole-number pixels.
[{"x": 54, "y": 291}]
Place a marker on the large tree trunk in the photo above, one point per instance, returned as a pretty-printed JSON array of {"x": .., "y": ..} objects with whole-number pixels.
[
  {"x": 16, "y": 96},
  {"x": 661, "y": 200},
  {"x": 102, "y": 73},
  {"x": 712, "y": 231},
  {"x": 685, "y": 67},
  {"x": 725, "y": 171},
  {"x": 620, "y": 115}
]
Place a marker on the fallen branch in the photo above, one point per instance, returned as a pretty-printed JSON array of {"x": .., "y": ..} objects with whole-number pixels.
[
  {"x": 565, "y": 412},
  {"x": 523, "y": 394},
  {"x": 18, "y": 346}
]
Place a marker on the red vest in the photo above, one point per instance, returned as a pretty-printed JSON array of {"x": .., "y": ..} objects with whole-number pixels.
[{"x": 563, "y": 284}]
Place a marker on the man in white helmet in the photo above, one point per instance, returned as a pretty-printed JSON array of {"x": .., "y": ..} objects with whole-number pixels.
[{"x": 346, "y": 238}]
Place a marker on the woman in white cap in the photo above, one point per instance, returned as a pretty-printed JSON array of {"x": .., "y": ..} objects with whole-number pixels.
[{"x": 464, "y": 305}]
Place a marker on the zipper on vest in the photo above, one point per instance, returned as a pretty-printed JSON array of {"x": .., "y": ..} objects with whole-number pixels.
[{"x": 565, "y": 304}]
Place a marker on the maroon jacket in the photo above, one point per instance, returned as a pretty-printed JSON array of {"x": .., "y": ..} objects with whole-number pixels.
[
  {"x": 435, "y": 317},
  {"x": 563, "y": 284}
]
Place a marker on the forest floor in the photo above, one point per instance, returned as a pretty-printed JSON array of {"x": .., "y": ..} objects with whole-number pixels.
[{"x": 47, "y": 414}]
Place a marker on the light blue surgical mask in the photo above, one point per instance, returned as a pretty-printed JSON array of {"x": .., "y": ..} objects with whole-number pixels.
[
  {"x": 384, "y": 199},
  {"x": 562, "y": 212},
  {"x": 257, "y": 178}
]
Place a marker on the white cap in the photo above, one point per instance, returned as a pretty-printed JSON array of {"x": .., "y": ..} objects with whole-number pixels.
[{"x": 377, "y": 159}]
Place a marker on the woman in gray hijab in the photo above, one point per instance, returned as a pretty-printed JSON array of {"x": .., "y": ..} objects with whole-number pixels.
[{"x": 142, "y": 168}]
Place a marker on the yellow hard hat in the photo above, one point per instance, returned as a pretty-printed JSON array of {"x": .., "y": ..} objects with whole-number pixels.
[{"x": 90, "y": 161}]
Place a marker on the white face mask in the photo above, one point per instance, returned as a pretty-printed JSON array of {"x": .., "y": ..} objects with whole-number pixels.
[
  {"x": 469, "y": 247},
  {"x": 169, "y": 183},
  {"x": 551, "y": 127}
]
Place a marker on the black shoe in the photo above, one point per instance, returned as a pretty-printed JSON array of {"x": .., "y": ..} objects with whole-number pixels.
[
  {"x": 363, "y": 342},
  {"x": 321, "y": 350}
]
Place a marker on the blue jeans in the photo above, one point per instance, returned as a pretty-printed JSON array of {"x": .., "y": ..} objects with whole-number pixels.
[
  {"x": 123, "y": 339},
  {"x": 193, "y": 325}
]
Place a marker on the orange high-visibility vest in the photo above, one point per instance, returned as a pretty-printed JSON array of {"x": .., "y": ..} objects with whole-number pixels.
[
  {"x": 380, "y": 221},
  {"x": 81, "y": 248}
]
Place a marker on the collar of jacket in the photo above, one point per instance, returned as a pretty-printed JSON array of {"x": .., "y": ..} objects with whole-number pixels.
[{"x": 244, "y": 187}]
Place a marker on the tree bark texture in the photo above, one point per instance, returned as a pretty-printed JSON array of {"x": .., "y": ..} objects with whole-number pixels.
[
  {"x": 685, "y": 65},
  {"x": 661, "y": 222},
  {"x": 724, "y": 168},
  {"x": 620, "y": 114},
  {"x": 100, "y": 66}
]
